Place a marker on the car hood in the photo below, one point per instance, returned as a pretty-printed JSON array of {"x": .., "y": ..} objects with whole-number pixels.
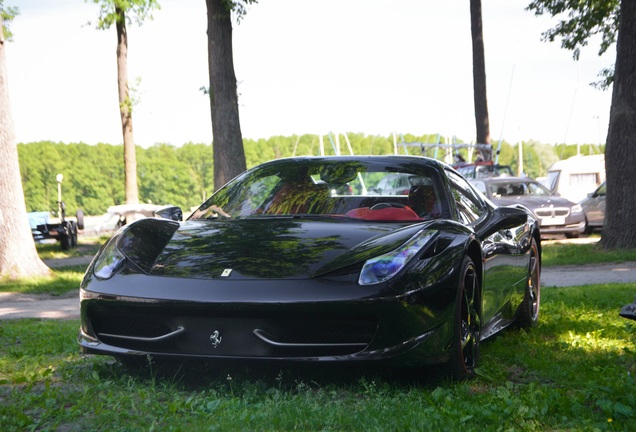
[
  {"x": 275, "y": 248},
  {"x": 534, "y": 202}
]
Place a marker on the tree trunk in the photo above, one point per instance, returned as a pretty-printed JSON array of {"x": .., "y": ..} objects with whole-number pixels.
[
  {"x": 227, "y": 147},
  {"x": 619, "y": 229},
  {"x": 18, "y": 256},
  {"x": 479, "y": 79},
  {"x": 125, "y": 109}
]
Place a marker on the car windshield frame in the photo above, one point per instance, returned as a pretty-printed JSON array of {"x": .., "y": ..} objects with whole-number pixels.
[{"x": 330, "y": 187}]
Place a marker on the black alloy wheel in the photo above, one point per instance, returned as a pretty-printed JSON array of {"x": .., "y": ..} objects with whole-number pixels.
[
  {"x": 528, "y": 313},
  {"x": 467, "y": 323}
]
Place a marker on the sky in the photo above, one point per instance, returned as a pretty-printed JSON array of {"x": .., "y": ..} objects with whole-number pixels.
[{"x": 376, "y": 67}]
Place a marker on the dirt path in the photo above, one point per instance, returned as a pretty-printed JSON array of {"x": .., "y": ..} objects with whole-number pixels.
[
  {"x": 15, "y": 305},
  {"x": 589, "y": 274}
]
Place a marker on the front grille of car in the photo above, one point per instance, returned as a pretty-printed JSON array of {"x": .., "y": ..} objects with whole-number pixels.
[
  {"x": 131, "y": 326},
  {"x": 132, "y": 332},
  {"x": 242, "y": 336},
  {"x": 550, "y": 212}
]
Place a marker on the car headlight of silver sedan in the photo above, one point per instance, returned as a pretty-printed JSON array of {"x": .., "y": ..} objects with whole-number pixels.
[{"x": 576, "y": 209}]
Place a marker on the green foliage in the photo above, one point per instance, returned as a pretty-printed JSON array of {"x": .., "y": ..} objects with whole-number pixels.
[
  {"x": 164, "y": 179},
  {"x": 7, "y": 14},
  {"x": 574, "y": 371},
  {"x": 239, "y": 7},
  {"x": 183, "y": 176},
  {"x": 111, "y": 11},
  {"x": 93, "y": 176},
  {"x": 564, "y": 151},
  {"x": 585, "y": 19},
  {"x": 606, "y": 76},
  {"x": 538, "y": 157}
]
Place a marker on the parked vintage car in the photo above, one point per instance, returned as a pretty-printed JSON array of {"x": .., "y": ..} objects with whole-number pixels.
[
  {"x": 557, "y": 214},
  {"x": 65, "y": 231},
  {"x": 119, "y": 215},
  {"x": 594, "y": 208},
  {"x": 278, "y": 265}
]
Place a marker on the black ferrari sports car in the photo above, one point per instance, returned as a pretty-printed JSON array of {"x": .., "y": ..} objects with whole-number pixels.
[{"x": 305, "y": 259}]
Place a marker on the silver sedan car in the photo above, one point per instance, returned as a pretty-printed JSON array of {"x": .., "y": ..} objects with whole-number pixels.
[
  {"x": 556, "y": 214},
  {"x": 594, "y": 208}
]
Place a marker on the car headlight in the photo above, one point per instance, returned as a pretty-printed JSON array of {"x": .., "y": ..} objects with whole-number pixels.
[
  {"x": 110, "y": 260},
  {"x": 576, "y": 209},
  {"x": 384, "y": 267}
]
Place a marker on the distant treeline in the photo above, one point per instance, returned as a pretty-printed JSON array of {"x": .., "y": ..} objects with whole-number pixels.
[{"x": 183, "y": 176}]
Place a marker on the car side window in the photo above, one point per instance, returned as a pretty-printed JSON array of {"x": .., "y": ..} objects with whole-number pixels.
[
  {"x": 480, "y": 186},
  {"x": 601, "y": 191},
  {"x": 469, "y": 206}
]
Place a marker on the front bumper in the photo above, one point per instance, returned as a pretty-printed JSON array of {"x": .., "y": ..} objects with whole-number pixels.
[
  {"x": 576, "y": 228},
  {"x": 238, "y": 322}
]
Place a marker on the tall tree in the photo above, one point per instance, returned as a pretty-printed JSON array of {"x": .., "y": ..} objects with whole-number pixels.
[
  {"x": 18, "y": 256},
  {"x": 121, "y": 12},
  {"x": 479, "y": 79},
  {"x": 619, "y": 230},
  {"x": 227, "y": 148},
  {"x": 614, "y": 20}
]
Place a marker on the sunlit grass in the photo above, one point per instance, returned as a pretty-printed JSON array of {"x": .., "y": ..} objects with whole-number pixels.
[
  {"x": 585, "y": 253},
  {"x": 86, "y": 247},
  {"x": 555, "y": 254},
  {"x": 574, "y": 371},
  {"x": 62, "y": 281}
]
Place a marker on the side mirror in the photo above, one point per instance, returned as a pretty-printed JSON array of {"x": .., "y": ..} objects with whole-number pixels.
[
  {"x": 173, "y": 213},
  {"x": 505, "y": 218}
]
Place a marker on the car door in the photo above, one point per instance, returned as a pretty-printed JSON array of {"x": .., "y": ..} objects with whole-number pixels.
[
  {"x": 503, "y": 261},
  {"x": 595, "y": 207}
]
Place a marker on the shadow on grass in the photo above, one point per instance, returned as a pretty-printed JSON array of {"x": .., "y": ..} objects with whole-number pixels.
[
  {"x": 86, "y": 247},
  {"x": 196, "y": 375}
]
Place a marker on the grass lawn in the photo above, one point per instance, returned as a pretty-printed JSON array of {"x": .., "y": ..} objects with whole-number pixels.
[
  {"x": 64, "y": 279},
  {"x": 574, "y": 371},
  {"x": 86, "y": 247},
  {"x": 556, "y": 254}
]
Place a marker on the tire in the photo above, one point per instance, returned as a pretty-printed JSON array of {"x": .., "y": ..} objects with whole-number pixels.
[
  {"x": 73, "y": 233},
  {"x": 79, "y": 214},
  {"x": 528, "y": 312},
  {"x": 466, "y": 324},
  {"x": 65, "y": 242},
  {"x": 66, "y": 239}
]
